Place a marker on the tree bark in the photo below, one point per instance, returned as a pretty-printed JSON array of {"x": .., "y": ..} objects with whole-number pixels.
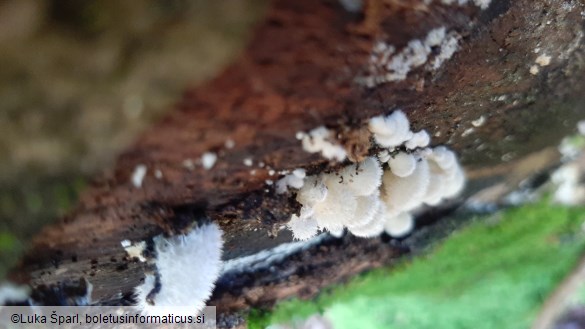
[{"x": 305, "y": 67}]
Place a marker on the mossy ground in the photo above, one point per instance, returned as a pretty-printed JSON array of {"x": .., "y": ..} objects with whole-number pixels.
[{"x": 494, "y": 273}]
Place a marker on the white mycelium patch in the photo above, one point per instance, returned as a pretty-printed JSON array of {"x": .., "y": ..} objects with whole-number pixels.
[
  {"x": 187, "y": 267},
  {"x": 380, "y": 193},
  {"x": 324, "y": 141},
  {"x": 294, "y": 180},
  {"x": 138, "y": 175},
  {"x": 134, "y": 250},
  {"x": 387, "y": 64},
  {"x": 208, "y": 159},
  {"x": 483, "y": 4}
]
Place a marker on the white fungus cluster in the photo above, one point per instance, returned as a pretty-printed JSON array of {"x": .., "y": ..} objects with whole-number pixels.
[
  {"x": 483, "y": 4},
  {"x": 386, "y": 64},
  {"x": 324, "y": 141},
  {"x": 187, "y": 268},
  {"x": 295, "y": 180},
  {"x": 380, "y": 193}
]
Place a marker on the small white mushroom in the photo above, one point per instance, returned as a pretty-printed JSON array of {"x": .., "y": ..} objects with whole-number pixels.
[
  {"x": 406, "y": 193},
  {"x": 183, "y": 281},
  {"x": 138, "y": 175},
  {"x": 419, "y": 139},
  {"x": 321, "y": 140},
  {"x": 367, "y": 206},
  {"x": 312, "y": 192},
  {"x": 372, "y": 228},
  {"x": 337, "y": 233},
  {"x": 338, "y": 208},
  {"x": 303, "y": 228},
  {"x": 400, "y": 225},
  {"x": 392, "y": 130},
  {"x": 208, "y": 160},
  {"x": 402, "y": 164},
  {"x": 363, "y": 178}
]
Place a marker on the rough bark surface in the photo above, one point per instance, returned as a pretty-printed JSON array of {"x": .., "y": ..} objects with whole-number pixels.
[{"x": 300, "y": 71}]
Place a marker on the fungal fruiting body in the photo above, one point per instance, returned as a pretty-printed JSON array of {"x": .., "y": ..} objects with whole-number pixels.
[
  {"x": 208, "y": 159},
  {"x": 380, "y": 193},
  {"x": 294, "y": 180},
  {"x": 187, "y": 267},
  {"x": 387, "y": 64},
  {"x": 322, "y": 140},
  {"x": 138, "y": 175}
]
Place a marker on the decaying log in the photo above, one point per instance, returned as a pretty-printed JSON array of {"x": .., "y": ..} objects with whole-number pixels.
[{"x": 310, "y": 64}]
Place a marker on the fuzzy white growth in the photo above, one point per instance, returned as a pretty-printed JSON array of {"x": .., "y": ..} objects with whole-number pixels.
[
  {"x": 419, "y": 140},
  {"x": 373, "y": 227},
  {"x": 335, "y": 201},
  {"x": 402, "y": 164},
  {"x": 338, "y": 208},
  {"x": 367, "y": 200},
  {"x": 435, "y": 37},
  {"x": 399, "y": 225},
  {"x": 543, "y": 60},
  {"x": 134, "y": 250},
  {"x": 387, "y": 65},
  {"x": 483, "y": 4},
  {"x": 208, "y": 159},
  {"x": 479, "y": 121},
  {"x": 449, "y": 46},
  {"x": 444, "y": 157},
  {"x": 449, "y": 170},
  {"x": 313, "y": 192},
  {"x": 384, "y": 156},
  {"x": 367, "y": 208},
  {"x": 322, "y": 140},
  {"x": 337, "y": 233},
  {"x": 392, "y": 130},
  {"x": 303, "y": 228},
  {"x": 534, "y": 70},
  {"x": 413, "y": 55},
  {"x": 295, "y": 180},
  {"x": 188, "y": 266},
  {"x": 229, "y": 143},
  {"x": 188, "y": 163},
  {"x": 9, "y": 292},
  {"x": 138, "y": 175},
  {"x": 406, "y": 193},
  {"x": 363, "y": 178}
]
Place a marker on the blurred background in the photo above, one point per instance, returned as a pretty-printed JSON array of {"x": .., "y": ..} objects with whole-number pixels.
[{"x": 79, "y": 79}]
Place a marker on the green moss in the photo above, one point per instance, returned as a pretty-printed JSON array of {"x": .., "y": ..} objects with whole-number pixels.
[
  {"x": 7, "y": 242},
  {"x": 487, "y": 275}
]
